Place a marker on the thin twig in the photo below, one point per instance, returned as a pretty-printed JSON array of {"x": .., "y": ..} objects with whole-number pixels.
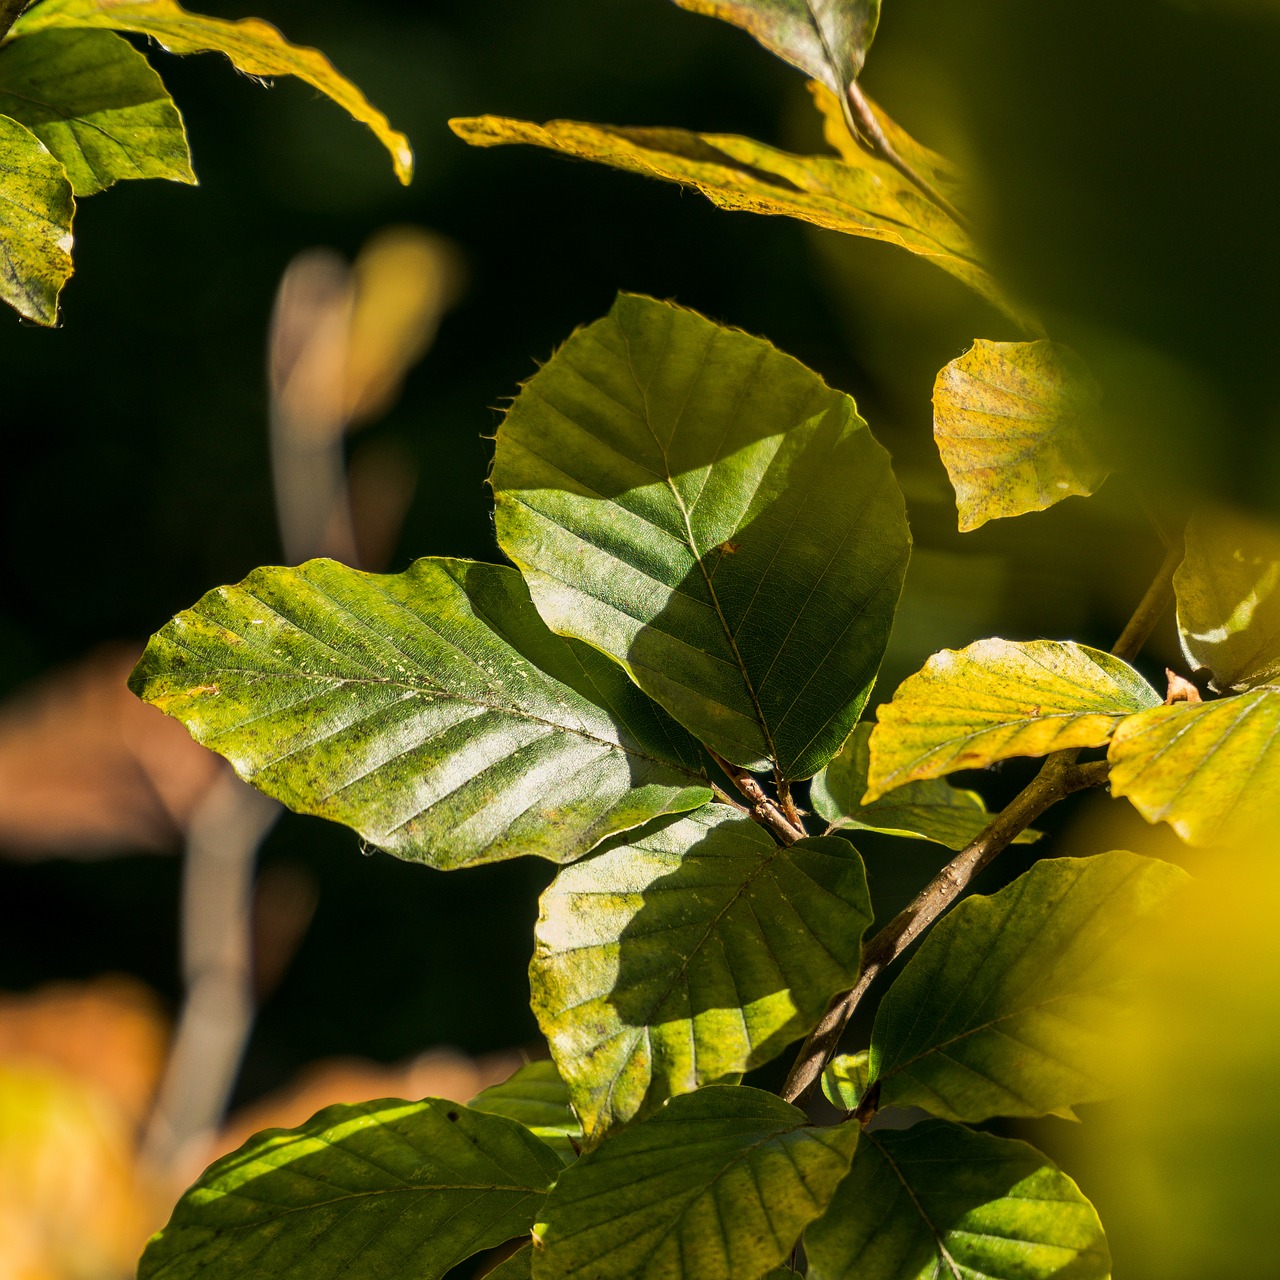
[
  {"x": 725, "y": 798},
  {"x": 1151, "y": 609},
  {"x": 10, "y": 12},
  {"x": 763, "y": 809}
]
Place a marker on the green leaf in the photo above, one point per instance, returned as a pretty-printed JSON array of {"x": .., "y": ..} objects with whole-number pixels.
[
  {"x": 996, "y": 699},
  {"x": 1009, "y": 1007},
  {"x": 95, "y": 102},
  {"x": 933, "y": 810},
  {"x": 36, "y": 211},
  {"x": 517, "y": 1267},
  {"x": 255, "y": 47},
  {"x": 704, "y": 508},
  {"x": 826, "y": 39},
  {"x": 361, "y": 1192},
  {"x": 940, "y": 1200},
  {"x": 846, "y": 1078},
  {"x": 1013, "y": 423},
  {"x": 687, "y": 953},
  {"x": 432, "y": 711},
  {"x": 867, "y": 198},
  {"x": 1210, "y": 770},
  {"x": 536, "y": 1097},
  {"x": 717, "y": 1186},
  {"x": 1228, "y": 590}
]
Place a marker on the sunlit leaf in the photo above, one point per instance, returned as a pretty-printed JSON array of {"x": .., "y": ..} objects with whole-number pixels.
[
  {"x": 1010, "y": 1007},
  {"x": 717, "y": 1186},
  {"x": 940, "y": 1200},
  {"x": 932, "y": 810},
  {"x": 1228, "y": 591},
  {"x": 967, "y": 709},
  {"x": 361, "y": 1192},
  {"x": 432, "y": 711},
  {"x": 846, "y": 1078},
  {"x": 36, "y": 210},
  {"x": 95, "y": 102},
  {"x": 704, "y": 508},
  {"x": 1211, "y": 770},
  {"x": 688, "y": 953},
  {"x": 1013, "y": 421},
  {"x": 255, "y": 47},
  {"x": 537, "y": 1098},
  {"x": 858, "y": 196},
  {"x": 826, "y": 39}
]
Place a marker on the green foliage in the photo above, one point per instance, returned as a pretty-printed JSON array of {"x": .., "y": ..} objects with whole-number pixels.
[
  {"x": 537, "y": 1098},
  {"x": 81, "y": 109}
]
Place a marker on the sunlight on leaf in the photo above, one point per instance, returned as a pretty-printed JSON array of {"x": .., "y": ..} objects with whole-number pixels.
[
  {"x": 254, "y": 46},
  {"x": 689, "y": 953},
  {"x": 940, "y": 1200},
  {"x": 1011, "y": 1006},
  {"x": 537, "y": 1098},
  {"x": 846, "y": 1078},
  {"x": 996, "y": 699},
  {"x": 1012, "y": 421},
  {"x": 717, "y": 1186}
]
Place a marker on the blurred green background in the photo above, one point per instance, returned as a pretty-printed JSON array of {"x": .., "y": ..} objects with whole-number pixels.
[{"x": 1123, "y": 166}]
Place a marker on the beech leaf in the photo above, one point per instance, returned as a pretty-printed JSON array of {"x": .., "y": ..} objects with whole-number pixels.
[
  {"x": 537, "y": 1098},
  {"x": 1011, "y": 1006},
  {"x": 689, "y": 953},
  {"x": 996, "y": 699},
  {"x": 431, "y": 710},
  {"x": 1013, "y": 422},
  {"x": 705, "y": 509}
]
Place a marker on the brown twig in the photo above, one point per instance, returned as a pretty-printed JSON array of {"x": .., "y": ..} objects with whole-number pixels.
[
  {"x": 1152, "y": 606},
  {"x": 763, "y": 809}
]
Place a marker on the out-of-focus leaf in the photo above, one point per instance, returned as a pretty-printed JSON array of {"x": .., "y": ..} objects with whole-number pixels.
[
  {"x": 932, "y": 810},
  {"x": 967, "y": 709},
  {"x": 1012, "y": 421},
  {"x": 686, "y": 954},
  {"x": 537, "y": 1098},
  {"x": 1228, "y": 589},
  {"x": 717, "y": 1186},
  {"x": 826, "y": 39},
  {"x": 431, "y": 710},
  {"x": 36, "y": 211},
  {"x": 255, "y": 47},
  {"x": 95, "y": 102},
  {"x": 940, "y": 1200},
  {"x": 653, "y": 479},
  {"x": 363, "y": 1193},
  {"x": 846, "y": 1078},
  {"x": 1211, "y": 770},
  {"x": 1011, "y": 1006},
  {"x": 858, "y": 196}
]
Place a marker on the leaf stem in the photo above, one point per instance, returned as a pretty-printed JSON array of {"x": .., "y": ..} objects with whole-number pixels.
[
  {"x": 10, "y": 12},
  {"x": 1152, "y": 606},
  {"x": 763, "y": 810}
]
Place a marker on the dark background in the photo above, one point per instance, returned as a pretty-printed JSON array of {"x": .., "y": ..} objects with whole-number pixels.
[{"x": 1124, "y": 160}]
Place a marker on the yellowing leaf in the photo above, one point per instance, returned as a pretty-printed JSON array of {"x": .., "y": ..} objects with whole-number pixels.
[
  {"x": 867, "y": 198},
  {"x": 967, "y": 709},
  {"x": 1211, "y": 770},
  {"x": 1012, "y": 421},
  {"x": 255, "y": 47},
  {"x": 1229, "y": 600}
]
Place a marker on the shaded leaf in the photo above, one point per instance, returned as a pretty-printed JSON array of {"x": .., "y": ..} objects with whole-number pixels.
[
  {"x": 1211, "y": 770},
  {"x": 361, "y": 1192},
  {"x": 717, "y": 1186},
  {"x": 704, "y": 508},
  {"x": 846, "y": 1078},
  {"x": 860, "y": 195},
  {"x": 690, "y": 952},
  {"x": 932, "y": 810},
  {"x": 1228, "y": 589},
  {"x": 940, "y": 1200},
  {"x": 95, "y": 102},
  {"x": 254, "y": 46},
  {"x": 36, "y": 211},
  {"x": 1012, "y": 421},
  {"x": 432, "y": 711},
  {"x": 1009, "y": 1007},
  {"x": 537, "y": 1098},
  {"x": 826, "y": 39},
  {"x": 517, "y": 1267},
  {"x": 996, "y": 699}
]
